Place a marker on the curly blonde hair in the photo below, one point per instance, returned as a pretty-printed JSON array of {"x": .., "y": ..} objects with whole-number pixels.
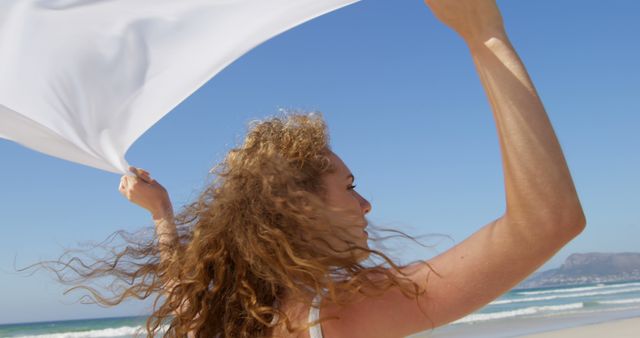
[{"x": 258, "y": 230}]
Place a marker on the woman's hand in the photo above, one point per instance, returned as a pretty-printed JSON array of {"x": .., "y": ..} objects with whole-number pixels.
[
  {"x": 146, "y": 192},
  {"x": 472, "y": 19}
]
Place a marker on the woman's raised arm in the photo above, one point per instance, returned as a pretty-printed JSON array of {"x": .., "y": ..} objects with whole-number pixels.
[
  {"x": 542, "y": 214},
  {"x": 152, "y": 196}
]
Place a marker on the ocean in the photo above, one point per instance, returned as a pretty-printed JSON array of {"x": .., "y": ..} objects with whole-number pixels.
[
  {"x": 527, "y": 311},
  {"x": 515, "y": 313}
]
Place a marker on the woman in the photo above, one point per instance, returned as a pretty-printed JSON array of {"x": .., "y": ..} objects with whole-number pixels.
[{"x": 281, "y": 228}]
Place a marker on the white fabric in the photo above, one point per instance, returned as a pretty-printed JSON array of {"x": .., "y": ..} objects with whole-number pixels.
[
  {"x": 314, "y": 314},
  {"x": 83, "y": 79}
]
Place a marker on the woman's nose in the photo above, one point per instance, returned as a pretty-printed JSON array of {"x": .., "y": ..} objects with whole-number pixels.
[{"x": 365, "y": 205}]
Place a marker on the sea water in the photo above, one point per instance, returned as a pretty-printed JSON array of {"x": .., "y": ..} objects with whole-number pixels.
[
  {"x": 516, "y": 312},
  {"x": 528, "y": 311}
]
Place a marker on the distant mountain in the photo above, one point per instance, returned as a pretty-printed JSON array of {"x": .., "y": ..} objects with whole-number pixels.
[{"x": 586, "y": 268}]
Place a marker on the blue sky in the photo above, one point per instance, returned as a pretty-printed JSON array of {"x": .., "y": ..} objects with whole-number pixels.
[{"x": 406, "y": 112}]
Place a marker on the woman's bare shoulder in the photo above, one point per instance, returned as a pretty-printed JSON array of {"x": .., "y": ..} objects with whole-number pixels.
[
  {"x": 298, "y": 313},
  {"x": 372, "y": 317}
]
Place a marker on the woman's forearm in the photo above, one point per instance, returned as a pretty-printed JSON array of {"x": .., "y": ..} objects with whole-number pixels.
[
  {"x": 167, "y": 241},
  {"x": 166, "y": 232},
  {"x": 538, "y": 184}
]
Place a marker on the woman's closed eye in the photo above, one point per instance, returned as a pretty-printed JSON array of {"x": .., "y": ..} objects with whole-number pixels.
[{"x": 351, "y": 187}]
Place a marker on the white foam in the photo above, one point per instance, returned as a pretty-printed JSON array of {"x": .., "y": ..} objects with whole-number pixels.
[
  {"x": 582, "y": 294},
  {"x": 103, "y": 333},
  {"x": 576, "y": 289},
  {"x": 479, "y": 317},
  {"x": 620, "y": 301}
]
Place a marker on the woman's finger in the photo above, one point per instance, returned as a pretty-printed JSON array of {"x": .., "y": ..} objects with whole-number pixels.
[{"x": 143, "y": 174}]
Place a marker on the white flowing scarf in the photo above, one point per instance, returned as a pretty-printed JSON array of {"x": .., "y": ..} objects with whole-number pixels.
[{"x": 81, "y": 80}]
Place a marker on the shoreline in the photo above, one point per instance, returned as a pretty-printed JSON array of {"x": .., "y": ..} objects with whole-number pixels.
[
  {"x": 571, "y": 325},
  {"x": 620, "y": 328}
]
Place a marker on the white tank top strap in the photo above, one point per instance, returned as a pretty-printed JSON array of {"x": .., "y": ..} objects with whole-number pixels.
[{"x": 314, "y": 314}]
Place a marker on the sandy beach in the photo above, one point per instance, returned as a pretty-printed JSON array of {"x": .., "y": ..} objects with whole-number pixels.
[
  {"x": 615, "y": 324},
  {"x": 625, "y": 328}
]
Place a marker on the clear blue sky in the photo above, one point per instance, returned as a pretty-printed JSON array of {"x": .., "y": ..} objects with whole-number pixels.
[{"x": 407, "y": 113}]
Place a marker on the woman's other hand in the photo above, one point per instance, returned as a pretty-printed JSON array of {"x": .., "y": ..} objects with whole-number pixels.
[
  {"x": 472, "y": 19},
  {"x": 146, "y": 192}
]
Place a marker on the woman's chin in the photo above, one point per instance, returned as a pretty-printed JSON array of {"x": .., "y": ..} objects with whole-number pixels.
[{"x": 362, "y": 254}]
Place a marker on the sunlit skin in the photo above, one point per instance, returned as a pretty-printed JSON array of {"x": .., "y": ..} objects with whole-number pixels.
[{"x": 341, "y": 193}]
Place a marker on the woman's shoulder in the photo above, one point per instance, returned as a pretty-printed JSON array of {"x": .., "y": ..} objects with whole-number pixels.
[
  {"x": 389, "y": 314},
  {"x": 298, "y": 313}
]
